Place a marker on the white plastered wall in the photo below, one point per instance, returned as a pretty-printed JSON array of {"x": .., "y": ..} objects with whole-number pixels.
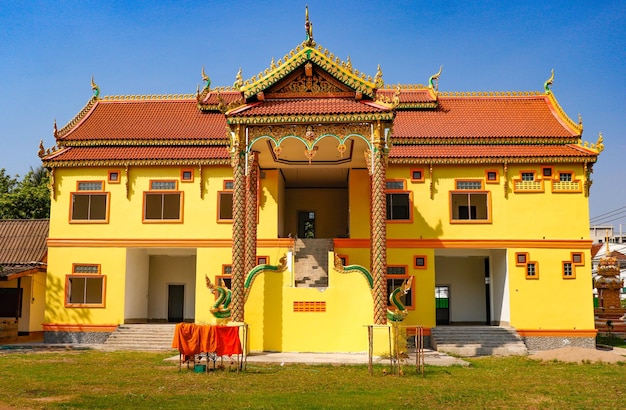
[
  {"x": 500, "y": 301},
  {"x": 466, "y": 278},
  {"x": 171, "y": 270},
  {"x": 136, "y": 292}
]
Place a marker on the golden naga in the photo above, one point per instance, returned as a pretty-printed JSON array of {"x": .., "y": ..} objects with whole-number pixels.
[{"x": 548, "y": 84}]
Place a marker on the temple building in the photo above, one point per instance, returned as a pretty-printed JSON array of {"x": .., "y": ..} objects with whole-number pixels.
[{"x": 312, "y": 191}]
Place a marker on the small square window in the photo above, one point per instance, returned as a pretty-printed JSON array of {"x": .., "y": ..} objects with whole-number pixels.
[
  {"x": 531, "y": 270},
  {"x": 546, "y": 172},
  {"x": 186, "y": 175},
  {"x": 262, "y": 260},
  {"x": 492, "y": 176},
  {"x": 227, "y": 270},
  {"x": 568, "y": 271},
  {"x": 565, "y": 177},
  {"x": 417, "y": 175},
  {"x": 229, "y": 184},
  {"x": 420, "y": 262},
  {"x": 520, "y": 258},
  {"x": 114, "y": 177},
  {"x": 528, "y": 176},
  {"x": 577, "y": 258}
]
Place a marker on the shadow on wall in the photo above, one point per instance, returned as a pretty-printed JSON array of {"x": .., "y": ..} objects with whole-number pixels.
[{"x": 56, "y": 312}]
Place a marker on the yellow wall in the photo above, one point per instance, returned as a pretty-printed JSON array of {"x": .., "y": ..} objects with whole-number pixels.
[{"x": 550, "y": 302}]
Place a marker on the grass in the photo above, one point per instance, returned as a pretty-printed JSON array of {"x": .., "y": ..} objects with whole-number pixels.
[
  {"x": 611, "y": 341},
  {"x": 100, "y": 380}
]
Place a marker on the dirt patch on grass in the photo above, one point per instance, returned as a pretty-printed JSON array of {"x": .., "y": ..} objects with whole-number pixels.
[{"x": 581, "y": 355}]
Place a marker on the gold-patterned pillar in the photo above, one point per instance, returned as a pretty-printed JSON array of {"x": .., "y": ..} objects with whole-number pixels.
[
  {"x": 378, "y": 223},
  {"x": 252, "y": 179},
  {"x": 239, "y": 222}
]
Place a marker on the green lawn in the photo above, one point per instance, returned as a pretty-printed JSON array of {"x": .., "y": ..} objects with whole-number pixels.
[{"x": 125, "y": 380}]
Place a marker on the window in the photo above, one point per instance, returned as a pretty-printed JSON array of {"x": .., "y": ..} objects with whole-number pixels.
[
  {"x": 225, "y": 202},
  {"x": 417, "y": 175},
  {"x": 527, "y": 182},
  {"x": 469, "y": 206},
  {"x": 160, "y": 204},
  {"x": 262, "y": 260},
  {"x": 89, "y": 204},
  {"x": 186, "y": 175},
  {"x": 531, "y": 270},
  {"x": 568, "y": 270},
  {"x": 225, "y": 279},
  {"x": 396, "y": 275},
  {"x": 419, "y": 262},
  {"x": 398, "y": 201},
  {"x": 521, "y": 258},
  {"x": 565, "y": 177},
  {"x": 528, "y": 176},
  {"x": 85, "y": 287},
  {"x": 114, "y": 177},
  {"x": 492, "y": 176},
  {"x": 547, "y": 172},
  {"x": 577, "y": 258}
]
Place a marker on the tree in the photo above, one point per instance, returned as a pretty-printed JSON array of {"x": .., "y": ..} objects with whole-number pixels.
[{"x": 25, "y": 199}]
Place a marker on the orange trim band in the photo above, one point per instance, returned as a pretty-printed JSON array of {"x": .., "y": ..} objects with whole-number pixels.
[
  {"x": 158, "y": 243},
  {"x": 557, "y": 332},
  {"x": 58, "y": 327},
  {"x": 469, "y": 243}
]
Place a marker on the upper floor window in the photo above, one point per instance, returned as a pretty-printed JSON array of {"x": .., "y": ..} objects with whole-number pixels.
[
  {"x": 398, "y": 201},
  {"x": 528, "y": 176},
  {"x": 163, "y": 202},
  {"x": 225, "y": 202},
  {"x": 565, "y": 177},
  {"x": 468, "y": 203},
  {"x": 89, "y": 203}
]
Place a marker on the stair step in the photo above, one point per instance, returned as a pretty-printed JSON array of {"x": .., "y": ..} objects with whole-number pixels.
[
  {"x": 478, "y": 341},
  {"x": 141, "y": 337}
]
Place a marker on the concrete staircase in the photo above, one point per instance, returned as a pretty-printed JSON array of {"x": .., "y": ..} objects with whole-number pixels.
[
  {"x": 469, "y": 341},
  {"x": 311, "y": 262},
  {"x": 141, "y": 337}
]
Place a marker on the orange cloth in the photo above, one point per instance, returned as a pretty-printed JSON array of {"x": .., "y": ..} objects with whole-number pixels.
[
  {"x": 228, "y": 342},
  {"x": 191, "y": 339}
]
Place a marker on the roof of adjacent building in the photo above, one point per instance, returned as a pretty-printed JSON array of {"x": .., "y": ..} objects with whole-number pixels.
[{"x": 22, "y": 246}]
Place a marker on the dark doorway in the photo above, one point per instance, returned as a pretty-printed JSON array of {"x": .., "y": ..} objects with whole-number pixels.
[
  {"x": 306, "y": 224},
  {"x": 175, "y": 303},
  {"x": 442, "y": 305}
]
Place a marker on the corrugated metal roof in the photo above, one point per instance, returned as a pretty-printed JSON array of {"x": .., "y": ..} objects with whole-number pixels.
[{"x": 23, "y": 240}]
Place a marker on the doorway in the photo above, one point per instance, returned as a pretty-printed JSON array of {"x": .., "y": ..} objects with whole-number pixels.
[
  {"x": 442, "y": 305},
  {"x": 306, "y": 224},
  {"x": 175, "y": 303}
]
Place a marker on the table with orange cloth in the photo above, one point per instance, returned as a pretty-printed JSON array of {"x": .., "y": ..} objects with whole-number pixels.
[{"x": 191, "y": 339}]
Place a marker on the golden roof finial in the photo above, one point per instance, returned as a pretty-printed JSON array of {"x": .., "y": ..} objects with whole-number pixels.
[
  {"x": 548, "y": 84},
  {"x": 56, "y": 131},
  {"x": 42, "y": 150},
  {"x": 238, "y": 80},
  {"x": 378, "y": 79},
  {"x": 206, "y": 80},
  {"x": 308, "y": 27},
  {"x": 94, "y": 88},
  {"x": 600, "y": 143},
  {"x": 433, "y": 81}
]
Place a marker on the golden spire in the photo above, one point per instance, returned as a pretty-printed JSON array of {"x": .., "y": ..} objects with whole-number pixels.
[
  {"x": 435, "y": 78},
  {"x": 378, "y": 79},
  {"x": 238, "y": 80},
  {"x": 308, "y": 27}
]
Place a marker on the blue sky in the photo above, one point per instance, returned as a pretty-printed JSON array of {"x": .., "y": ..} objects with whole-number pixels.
[{"x": 50, "y": 49}]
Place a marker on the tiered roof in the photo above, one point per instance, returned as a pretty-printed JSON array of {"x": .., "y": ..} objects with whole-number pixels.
[{"x": 312, "y": 86}]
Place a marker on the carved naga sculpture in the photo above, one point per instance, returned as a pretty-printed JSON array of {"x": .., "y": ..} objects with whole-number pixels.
[
  {"x": 220, "y": 308},
  {"x": 399, "y": 312}
]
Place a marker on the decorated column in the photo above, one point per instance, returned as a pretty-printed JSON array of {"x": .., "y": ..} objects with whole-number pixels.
[
  {"x": 378, "y": 215},
  {"x": 239, "y": 218},
  {"x": 252, "y": 178}
]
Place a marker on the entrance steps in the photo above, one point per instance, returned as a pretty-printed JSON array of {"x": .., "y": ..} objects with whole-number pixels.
[
  {"x": 311, "y": 262},
  {"x": 141, "y": 337},
  {"x": 470, "y": 341}
]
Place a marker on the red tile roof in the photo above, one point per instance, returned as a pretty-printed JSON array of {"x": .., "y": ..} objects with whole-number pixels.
[
  {"x": 148, "y": 120},
  {"x": 493, "y": 117},
  {"x": 140, "y": 153},
  {"x": 487, "y": 151},
  {"x": 420, "y": 95},
  {"x": 309, "y": 106},
  {"x": 227, "y": 97}
]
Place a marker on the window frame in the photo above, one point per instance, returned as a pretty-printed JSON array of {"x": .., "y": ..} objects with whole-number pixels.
[
  {"x": 535, "y": 266},
  {"x": 572, "y": 270},
  {"x": 402, "y": 278},
  {"x": 112, "y": 172},
  {"x": 537, "y": 184},
  {"x": 259, "y": 260},
  {"x": 470, "y": 192},
  {"x": 521, "y": 258},
  {"x": 225, "y": 191},
  {"x": 421, "y": 171},
  {"x": 397, "y": 191},
  {"x": 182, "y": 175},
  {"x": 86, "y": 276},
  {"x": 89, "y": 193},
  {"x": 575, "y": 183},
  {"x": 496, "y": 180},
  {"x": 163, "y": 192},
  {"x": 425, "y": 262}
]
